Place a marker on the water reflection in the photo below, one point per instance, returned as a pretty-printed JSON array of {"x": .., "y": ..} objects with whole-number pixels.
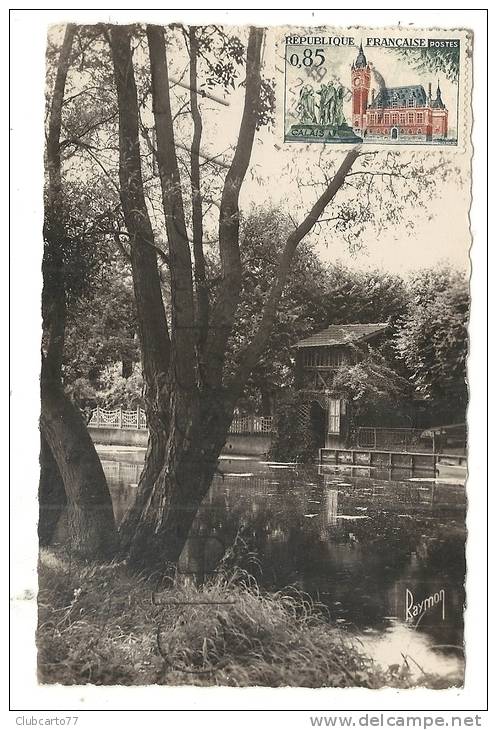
[
  {"x": 352, "y": 539},
  {"x": 122, "y": 477}
]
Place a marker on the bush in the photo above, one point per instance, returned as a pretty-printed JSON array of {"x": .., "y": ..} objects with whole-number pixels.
[
  {"x": 103, "y": 625},
  {"x": 291, "y": 440}
]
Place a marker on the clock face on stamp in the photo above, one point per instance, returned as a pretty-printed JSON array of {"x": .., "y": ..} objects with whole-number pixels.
[{"x": 357, "y": 82}]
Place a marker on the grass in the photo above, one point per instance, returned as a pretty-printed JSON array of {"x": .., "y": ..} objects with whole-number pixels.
[{"x": 104, "y": 625}]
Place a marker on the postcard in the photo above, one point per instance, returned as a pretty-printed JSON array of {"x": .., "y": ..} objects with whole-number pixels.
[{"x": 253, "y": 434}]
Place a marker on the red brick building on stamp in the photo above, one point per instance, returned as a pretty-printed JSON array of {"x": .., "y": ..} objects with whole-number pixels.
[{"x": 402, "y": 113}]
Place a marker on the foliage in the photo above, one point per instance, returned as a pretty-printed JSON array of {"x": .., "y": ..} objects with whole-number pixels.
[
  {"x": 291, "y": 442},
  {"x": 360, "y": 297},
  {"x": 99, "y": 624},
  {"x": 267, "y": 104},
  {"x": 110, "y": 391},
  {"x": 101, "y": 334},
  {"x": 374, "y": 389},
  {"x": 302, "y": 306},
  {"x": 432, "y": 339},
  {"x": 81, "y": 257},
  {"x": 434, "y": 60},
  {"x": 223, "y": 56}
]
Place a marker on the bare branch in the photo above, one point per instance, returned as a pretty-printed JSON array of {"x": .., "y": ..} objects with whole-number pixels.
[
  {"x": 153, "y": 330},
  {"x": 197, "y": 222},
  {"x": 94, "y": 157},
  {"x": 54, "y": 290},
  {"x": 172, "y": 200},
  {"x": 55, "y": 119},
  {"x": 229, "y": 249},
  {"x": 88, "y": 91},
  {"x": 251, "y": 354}
]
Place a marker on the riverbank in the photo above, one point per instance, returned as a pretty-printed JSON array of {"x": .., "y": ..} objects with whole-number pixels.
[{"x": 104, "y": 625}]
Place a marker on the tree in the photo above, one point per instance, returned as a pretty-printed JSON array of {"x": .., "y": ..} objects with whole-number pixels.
[
  {"x": 359, "y": 297},
  {"x": 64, "y": 433},
  {"x": 189, "y": 402},
  {"x": 432, "y": 339},
  {"x": 375, "y": 390}
]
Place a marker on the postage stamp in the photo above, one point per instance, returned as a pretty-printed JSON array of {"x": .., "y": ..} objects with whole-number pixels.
[{"x": 387, "y": 87}]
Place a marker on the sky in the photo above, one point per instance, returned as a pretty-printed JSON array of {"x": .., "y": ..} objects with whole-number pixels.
[
  {"x": 444, "y": 238},
  {"x": 441, "y": 234}
]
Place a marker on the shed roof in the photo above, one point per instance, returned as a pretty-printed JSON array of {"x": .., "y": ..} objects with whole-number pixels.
[
  {"x": 386, "y": 96},
  {"x": 342, "y": 334}
]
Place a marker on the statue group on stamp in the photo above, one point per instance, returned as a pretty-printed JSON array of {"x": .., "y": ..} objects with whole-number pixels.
[{"x": 329, "y": 110}]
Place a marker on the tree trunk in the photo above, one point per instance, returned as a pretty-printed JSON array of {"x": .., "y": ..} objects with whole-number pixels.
[
  {"x": 90, "y": 516},
  {"x": 154, "y": 460},
  {"x": 158, "y": 524},
  {"x": 89, "y": 506},
  {"x": 153, "y": 330},
  {"x": 51, "y": 495}
]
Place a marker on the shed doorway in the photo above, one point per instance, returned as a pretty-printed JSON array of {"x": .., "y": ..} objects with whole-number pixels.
[{"x": 317, "y": 418}]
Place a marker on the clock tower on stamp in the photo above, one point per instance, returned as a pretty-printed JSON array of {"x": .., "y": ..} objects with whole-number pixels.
[{"x": 361, "y": 83}]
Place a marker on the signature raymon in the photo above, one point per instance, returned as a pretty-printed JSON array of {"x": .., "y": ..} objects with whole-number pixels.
[{"x": 415, "y": 609}]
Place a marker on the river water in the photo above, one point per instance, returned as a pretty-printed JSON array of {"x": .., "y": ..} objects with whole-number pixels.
[{"x": 368, "y": 545}]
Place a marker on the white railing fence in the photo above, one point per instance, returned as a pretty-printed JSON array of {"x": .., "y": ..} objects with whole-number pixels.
[
  {"x": 119, "y": 418},
  {"x": 251, "y": 425}
]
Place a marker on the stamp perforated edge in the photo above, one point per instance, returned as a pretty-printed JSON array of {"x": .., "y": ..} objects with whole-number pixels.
[{"x": 276, "y": 41}]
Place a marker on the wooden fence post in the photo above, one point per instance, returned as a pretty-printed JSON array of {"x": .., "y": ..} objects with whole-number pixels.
[
  {"x": 120, "y": 418},
  {"x": 138, "y": 417},
  {"x": 98, "y": 416}
]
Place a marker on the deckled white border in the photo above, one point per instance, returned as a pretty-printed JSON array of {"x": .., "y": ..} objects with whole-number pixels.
[{"x": 28, "y": 46}]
